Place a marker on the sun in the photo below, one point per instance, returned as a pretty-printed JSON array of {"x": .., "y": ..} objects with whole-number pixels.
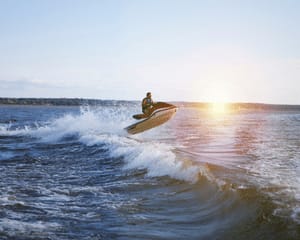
[{"x": 218, "y": 107}]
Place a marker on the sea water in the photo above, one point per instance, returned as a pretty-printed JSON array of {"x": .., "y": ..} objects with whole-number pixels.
[{"x": 74, "y": 173}]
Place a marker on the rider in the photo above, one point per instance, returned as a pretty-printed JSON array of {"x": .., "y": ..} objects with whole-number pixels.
[{"x": 147, "y": 104}]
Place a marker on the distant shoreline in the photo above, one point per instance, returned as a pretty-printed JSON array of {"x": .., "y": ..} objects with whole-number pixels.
[
  {"x": 55, "y": 101},
  {"x": 95, "y": 102}
]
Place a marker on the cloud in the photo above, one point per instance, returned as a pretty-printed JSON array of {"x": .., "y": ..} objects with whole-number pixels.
[
  {"x": 38, "y": 88},
  {"x": 24, "y": 84},
  {"x": 26, "y": 88}
]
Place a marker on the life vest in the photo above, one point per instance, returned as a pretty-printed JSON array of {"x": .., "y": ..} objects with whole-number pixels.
[{"x": 146, "y": 103}]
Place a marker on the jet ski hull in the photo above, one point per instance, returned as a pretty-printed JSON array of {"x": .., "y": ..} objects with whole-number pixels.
[{"x": 158, "y": 117}]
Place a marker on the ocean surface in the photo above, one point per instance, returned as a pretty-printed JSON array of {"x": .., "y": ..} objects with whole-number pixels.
[{"x": 74, "y": 173}]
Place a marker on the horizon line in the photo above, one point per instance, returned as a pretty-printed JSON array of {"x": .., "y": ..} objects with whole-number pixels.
[{"x": 123, "y": 100}]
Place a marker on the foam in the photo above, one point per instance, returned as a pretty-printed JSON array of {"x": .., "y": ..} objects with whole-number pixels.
[
  {"x": 20, "y": 226},
  {"x": 296, "y": 214},
  {"x": 158, "y": 158},
  {"x": 104, "y": 126},
  {"x": 4, "y": 128},
  {"x": 98, "y": 121},
  {"x": 276, "y": 168}
]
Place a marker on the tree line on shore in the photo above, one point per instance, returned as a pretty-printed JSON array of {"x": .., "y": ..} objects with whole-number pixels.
[
  {"x": 52, "y": 101},
  {"x": 94, "y": 102}
]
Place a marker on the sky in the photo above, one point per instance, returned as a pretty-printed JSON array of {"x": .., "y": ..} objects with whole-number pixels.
[{"x": 205, "y": 51}]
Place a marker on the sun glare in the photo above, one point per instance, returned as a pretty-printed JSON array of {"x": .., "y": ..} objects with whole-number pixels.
[{"x": 218, "y": 107}]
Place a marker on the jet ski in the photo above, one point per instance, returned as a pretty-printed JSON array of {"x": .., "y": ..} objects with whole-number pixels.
[{"x": 160, "y": 113}]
